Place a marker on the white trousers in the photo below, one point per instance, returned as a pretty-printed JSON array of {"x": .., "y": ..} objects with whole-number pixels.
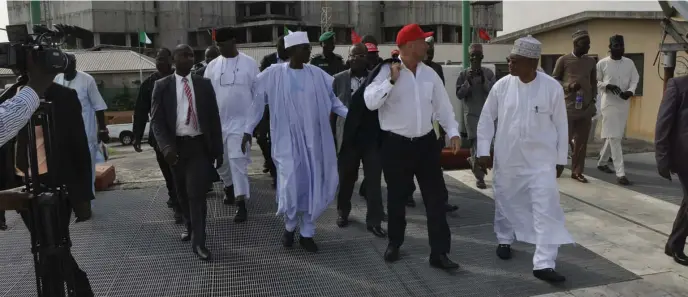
[
  {"x": 613, "y": 145},
  {"x": 545, "y": 254},
  {"x": 306, "y": 224},
  {"x": 234, "y": 171}
]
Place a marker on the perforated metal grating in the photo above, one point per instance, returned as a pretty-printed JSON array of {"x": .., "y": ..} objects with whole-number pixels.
[{"x": 132, "y": 248}]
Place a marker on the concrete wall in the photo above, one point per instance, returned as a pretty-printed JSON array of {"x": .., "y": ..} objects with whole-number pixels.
[{"x": 641, "y": 36}]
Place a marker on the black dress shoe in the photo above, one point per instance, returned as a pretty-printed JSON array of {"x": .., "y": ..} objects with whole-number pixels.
[
  {"x": 605, "y": 169},
  {"x": 229, "y": 195},
  {"x": 549, "y": 275},
  {"x": 481, "y": 184},
  {"x": 504, "y": 251},
  {"x": 623, "y": 181},
  {"x": 170, "y": 203},
  {"x": 186, "y": 235},
  {"x": 392, "y": 254},
  {"x": 241, "y": 213},
  {"x": 450, "y": 208},
  {"x": 342, "y": 221},
  {"x": 202, "y": 252},
  {"x": 442, "y": 262},
  {"x": 308, "y": 244},
  {"x": 3, "y": 226},
  {"x": 678, "y": 256},
  {"x": 410, "y": 202},
  {"x": 377, "y": 231},
  {"x": 288, "y": 239}
]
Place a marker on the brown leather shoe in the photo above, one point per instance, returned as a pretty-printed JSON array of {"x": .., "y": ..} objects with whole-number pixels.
[{"x": 580, "y": 178}]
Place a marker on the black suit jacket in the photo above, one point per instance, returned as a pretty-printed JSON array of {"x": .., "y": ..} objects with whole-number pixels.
[
  {"x": 268, "y": 60},
  {"x": 143, "y": 107},
  {"x": 671, "y": 134},
  {"x": 73, "y": 166},
  {"x": 362, "y": 126},
  {"x": 164, "y": 119}
]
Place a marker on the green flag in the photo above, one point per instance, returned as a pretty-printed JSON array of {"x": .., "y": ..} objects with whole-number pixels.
[
  {"x": 286, "y": 30},
  {"x": 143, "y": 38}
]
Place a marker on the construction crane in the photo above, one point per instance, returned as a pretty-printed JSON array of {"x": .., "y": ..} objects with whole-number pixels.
[{"x": 325, "y": 17}]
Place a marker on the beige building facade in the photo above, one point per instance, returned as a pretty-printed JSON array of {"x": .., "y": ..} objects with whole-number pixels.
[{"x": 642, "y": 35}]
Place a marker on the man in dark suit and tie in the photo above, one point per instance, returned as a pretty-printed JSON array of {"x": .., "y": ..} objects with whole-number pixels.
[
  {"x": 671, "y": 152},
  {"x": 356, "y": 142},
  {"x": 186, "y": 125}
]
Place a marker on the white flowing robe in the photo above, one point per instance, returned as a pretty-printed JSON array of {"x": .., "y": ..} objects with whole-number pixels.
[
  {"x": 232, "y": 79},
  {"x": 302, "y": 142},
  {"x": 623, "y": 74},
  {"x": 531, "y": 139}
]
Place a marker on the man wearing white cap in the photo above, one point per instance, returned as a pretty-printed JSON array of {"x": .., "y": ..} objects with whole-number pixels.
[
  {"x": 530, "y": 150},
  {"x": 301, "y": 99}
]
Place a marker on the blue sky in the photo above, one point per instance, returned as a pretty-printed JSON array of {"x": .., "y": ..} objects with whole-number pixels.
[{"x": 517, "y": 14}]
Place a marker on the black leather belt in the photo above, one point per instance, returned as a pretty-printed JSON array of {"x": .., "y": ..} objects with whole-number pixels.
[
  {"x": 412, "y": 139},
  {"x": 187, "y": 138}
]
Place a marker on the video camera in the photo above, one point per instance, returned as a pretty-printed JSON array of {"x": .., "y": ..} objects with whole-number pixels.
[{"x": 42, "y": 44}]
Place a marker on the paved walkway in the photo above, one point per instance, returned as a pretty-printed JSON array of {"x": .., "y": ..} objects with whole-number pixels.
[{"x": 132, "y": 248}]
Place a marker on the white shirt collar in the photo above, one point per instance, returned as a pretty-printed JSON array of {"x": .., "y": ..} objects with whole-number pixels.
[{"x": 179, "y": 77}]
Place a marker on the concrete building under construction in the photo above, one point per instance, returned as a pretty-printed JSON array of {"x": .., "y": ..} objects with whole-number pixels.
[{"x": 168, "y": 23}]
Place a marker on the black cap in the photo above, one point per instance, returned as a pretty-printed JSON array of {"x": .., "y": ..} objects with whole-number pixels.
[
  {"x": 616, "y": 40},
  {"x": 224, "y": 34}
]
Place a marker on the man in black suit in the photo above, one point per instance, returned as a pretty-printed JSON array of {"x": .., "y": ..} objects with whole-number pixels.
[
  {"x": 163, "y": 63},
  {"x": 671, "y": 153},
  {"x": 186, "y": 125},
  {"x": 262, "y": 131},
  {"x": 211, "y": 53}
]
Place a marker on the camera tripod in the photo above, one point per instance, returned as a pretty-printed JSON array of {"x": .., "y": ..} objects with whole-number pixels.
[{"x": 47, "y": 218}]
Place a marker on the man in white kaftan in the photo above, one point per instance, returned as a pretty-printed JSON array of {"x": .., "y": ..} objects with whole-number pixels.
[
  {"x": 530, "y": 150},
  {"x": 617, "y": 79},
  {"x": 301, "y": 99},
  {"x": 91, "y": 104},
  {"x": 232, "y": 75}
]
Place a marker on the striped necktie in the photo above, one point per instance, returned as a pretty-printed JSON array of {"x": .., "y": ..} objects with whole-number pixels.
[{"x": 190, "y": 114}]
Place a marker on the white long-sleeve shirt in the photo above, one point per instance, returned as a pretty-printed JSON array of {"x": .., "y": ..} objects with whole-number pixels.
[
  {"x": 532, "y": 126},
  {"x": 407, "y": 107},
  {"x": 16, "y": 112}
]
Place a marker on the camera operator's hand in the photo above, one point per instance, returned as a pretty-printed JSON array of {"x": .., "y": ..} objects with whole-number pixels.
[{"x": 39, "y": 79}]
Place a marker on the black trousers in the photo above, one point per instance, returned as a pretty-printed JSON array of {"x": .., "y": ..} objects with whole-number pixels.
[
  {"x": 2, "y": 216},
  {"x": 169, "y": 179},
  {"x": 402, "y": 159},
  {"x": 677, "y": 238},
  {"x": 348, "y": 160},
  {"x": 192, "y": 178},
  {"x": 262, "y": 135}
]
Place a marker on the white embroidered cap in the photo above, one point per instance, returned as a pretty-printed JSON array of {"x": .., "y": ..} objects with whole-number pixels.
[
  {"x": 528, "y": 47},
  {"x": 295, "y": 38}
]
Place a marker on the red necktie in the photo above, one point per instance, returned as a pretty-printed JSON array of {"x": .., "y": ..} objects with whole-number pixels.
[{"x": 190, "y": 114}]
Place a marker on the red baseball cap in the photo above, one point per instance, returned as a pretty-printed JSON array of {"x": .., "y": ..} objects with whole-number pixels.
[
  {"x": 411, "y": 32},
  {"x": 371, "y": 47},
  {"x": 395, "y": 52}
]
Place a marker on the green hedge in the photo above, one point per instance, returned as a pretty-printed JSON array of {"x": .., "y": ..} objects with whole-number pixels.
[{"x": 119, "y": 99}]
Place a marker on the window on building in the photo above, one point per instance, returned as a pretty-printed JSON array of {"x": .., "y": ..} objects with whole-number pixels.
[
  {"x": 639, "y": 61},
  {"x": 114, "y": 38},
  {"x": 192, "y": 38},
  {"x": 257, "y": 9},
  {"x": 389, "y": 34},
  {"x": 155, "y": 4},
  {"x": 447, "y": 33},
  {"x": 155, "y": 21},
  {"x": 261, "y": 34},
  {"x": 547, "y": 63},
  {"x": 313, "y": 33}
]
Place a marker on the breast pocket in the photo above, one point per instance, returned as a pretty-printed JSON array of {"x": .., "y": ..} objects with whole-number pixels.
[
  {"x": 426, "y": 89},
  {"x": 540, "y": 115},
  {"x": 243, "y": 78}
]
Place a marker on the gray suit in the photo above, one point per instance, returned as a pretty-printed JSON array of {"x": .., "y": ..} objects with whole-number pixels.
[
  {"x": 342, "y": 89},
  {"x": 473, "y": 96}
]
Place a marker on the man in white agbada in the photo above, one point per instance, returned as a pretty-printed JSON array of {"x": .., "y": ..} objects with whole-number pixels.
[
  {"x": 300, "y": 98},
  {"x": 529, "y": 154},
  {"x": 92, "y": 108},
  {"x": 617, "y": 79},
  {"x": 232, "y": 75}
]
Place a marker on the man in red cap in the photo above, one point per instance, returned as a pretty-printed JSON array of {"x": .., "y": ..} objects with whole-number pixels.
[
  {"x": 395, "y": 54},
  {"x": 408, "y": 95}
]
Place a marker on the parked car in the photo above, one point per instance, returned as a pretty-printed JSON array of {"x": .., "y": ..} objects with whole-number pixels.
[{"x": 124, "y": 132}]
